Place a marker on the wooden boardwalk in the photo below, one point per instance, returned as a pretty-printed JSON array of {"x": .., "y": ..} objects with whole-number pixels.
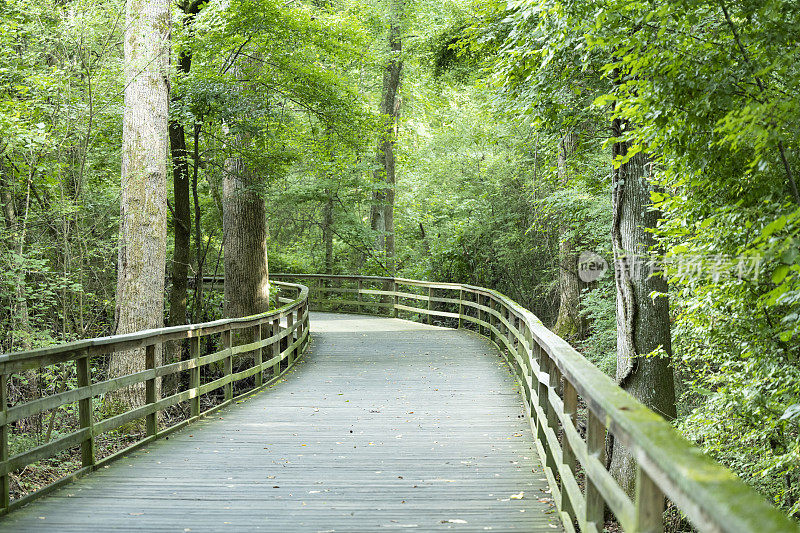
[{"x": 386, "y": 424}]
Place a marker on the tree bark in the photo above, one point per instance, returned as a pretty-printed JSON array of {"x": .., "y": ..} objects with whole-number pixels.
[
  {"x": 200, "y": 250},
  {"x": 181, "y": 218},
  {"x": 20, "y": 338},
  {"x": 327, "y": 232},
  {"x": 569, "y": 324},
  {"x": 143, "y": 202},
  {"x": 642, "y": 321},
  {"x": 181, "y": 222},
  {"x": 244, "y": 224},
  {"x": 382, "y": 210}
]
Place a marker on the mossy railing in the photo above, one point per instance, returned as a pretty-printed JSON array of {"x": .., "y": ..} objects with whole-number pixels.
[
  {"x": 573, "y": 408},
  {"x": 277, "y": 338}
]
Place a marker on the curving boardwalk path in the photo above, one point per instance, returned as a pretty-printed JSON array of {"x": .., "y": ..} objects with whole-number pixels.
[{"x": 386, "y": 424}]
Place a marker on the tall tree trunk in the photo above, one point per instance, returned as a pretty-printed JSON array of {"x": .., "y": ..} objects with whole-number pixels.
[
  {"x": 569, "y": 324},
  {"x": 327, "y": 232},
  {"x": 382, "y": 211},
  {"x": 181, "y": 217},
  {"x": 200, "y": 250},
  {"x": 244, "y": 224},
  {"x": 642, "y": 321},
  {"x": 143, "y": 202},
  {"x": 20, "y": 317}
]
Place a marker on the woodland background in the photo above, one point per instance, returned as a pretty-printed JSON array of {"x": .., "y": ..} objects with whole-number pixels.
[{"x": 502, "y": 133}]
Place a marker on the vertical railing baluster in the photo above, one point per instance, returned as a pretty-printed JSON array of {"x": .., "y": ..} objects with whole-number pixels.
[
  {"x": 306, "y": 327},
  {"x": 359, "y": 298},
  {"x": 151, "y": 420},
  {"x": 649, "y": 504},
  {"x": 522, "y": 329},
  {"x": 596, "y": 446},
  {"x": 509, "y": 333},
  {"x": 258, "y": 357},
  {"x": 276, "y": 347},
  {"x": 5, "y": 485},
  {"x": 529, "y": 355},
  {"x": 290, "y": 338},
  {"x": 460, "y": 307},
  {"x": 395, "y": 298},
  {"x": 550, "y": 410},
  {"x": 488, "y": 317},
  {"x": 568, "y": 456},
  {"x": 430, "y": 303},
  {"x": 481, "y": 314},
  {"x": 194, "y": 376},
  {"x": 227, "y": 369},
  {"x": 544, "y": 404},
  {"x": 85, "y": 416},
  {"x": 300, "y": 325}
]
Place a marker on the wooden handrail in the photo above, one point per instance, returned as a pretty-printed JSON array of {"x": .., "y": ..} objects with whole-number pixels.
[
  {"x": 283, "y": 333},
  {"x": 556, "y": 380}
]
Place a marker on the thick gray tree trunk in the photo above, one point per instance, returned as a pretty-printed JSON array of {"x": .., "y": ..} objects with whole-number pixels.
[
  {"x": 244, "y": 224},
  {"x": 143, "y": 203},
  {"x": 569, "y": 324},
  {"x": 382, "y": 211},
  {"x": 642, "y": 321}
]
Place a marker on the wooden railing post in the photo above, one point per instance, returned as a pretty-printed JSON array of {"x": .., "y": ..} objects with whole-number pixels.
[
  {"x": 306, "y": 326},
  {"x": 522, "y": 329},
  {"x": 85, "y": 417},
  {"x": 491, "y": 319},
  {"x": 395, "y": 298},
  {"x": 550, "y": 411},
  {"x": 430, "y": 303},
  {"x": 5, "y": 485},
  {"x": 300, "y": 327},
  {"x": 194, "y": 376},
  {"x": 460, "y": 307},
  {"x": 227, "y": 369},
  {"x": 290, "y": 337},
  {"x": 544, "y": 366},
  {"x": 151, "y": 420},
  {"x": 480, "y": 313},
  {"x": 596, "y": 446},
  {"x": 258, "y": 357},
  {"x": 567, "y": 455},
  {"x": 649, "y": 504},
  {"x": 276, "y": 347},
  {"x": 509, "y": 336},
  {"x": 360, "y": 288},
  {"x": 485, "y": 316}
]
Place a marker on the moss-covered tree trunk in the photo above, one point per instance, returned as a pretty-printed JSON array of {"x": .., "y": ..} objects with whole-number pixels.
[
  {"x": 642, "y": 321},
  {"x": 569, "y": 324},
  {"x": 143, "y": 202}
]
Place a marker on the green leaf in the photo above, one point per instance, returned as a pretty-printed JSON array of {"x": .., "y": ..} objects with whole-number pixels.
[{"x": 780, "y": 273}]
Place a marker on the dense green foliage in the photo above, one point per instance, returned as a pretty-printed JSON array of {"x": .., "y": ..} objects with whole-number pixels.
[{"x": 489, "y": 96}]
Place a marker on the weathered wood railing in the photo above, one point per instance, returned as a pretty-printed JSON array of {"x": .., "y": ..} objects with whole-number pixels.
[
  {"x": 278, "y": 338},
  {"x": 561, "y": 388}
]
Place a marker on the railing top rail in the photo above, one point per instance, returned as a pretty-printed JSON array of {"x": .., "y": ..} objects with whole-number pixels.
[{"x": 18, "y": 360}]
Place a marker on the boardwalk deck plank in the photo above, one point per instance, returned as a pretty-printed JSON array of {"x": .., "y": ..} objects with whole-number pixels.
[{"x": 386, "y": 424}]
